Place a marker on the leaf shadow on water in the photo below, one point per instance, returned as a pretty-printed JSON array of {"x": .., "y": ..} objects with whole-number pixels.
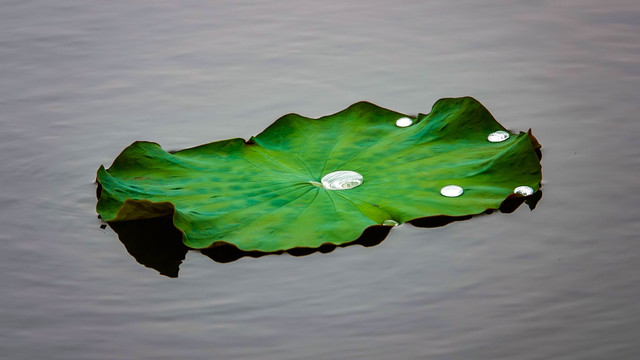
[{"x": 157, "y": 243}]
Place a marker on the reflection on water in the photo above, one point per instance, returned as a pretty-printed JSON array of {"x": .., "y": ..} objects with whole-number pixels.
[{"x": 157, "y": 244}]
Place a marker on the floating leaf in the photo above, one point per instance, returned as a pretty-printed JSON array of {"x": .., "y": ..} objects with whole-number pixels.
[{"x": 306, "y": 182}]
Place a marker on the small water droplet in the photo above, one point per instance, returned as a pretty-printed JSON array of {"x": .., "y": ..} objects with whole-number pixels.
[
  {"x": 404, "y": 122},
  {"x": 451, "y": 191},
  {"x": 341, "y": 180},
  {"x": 498, "y": 136},
  {"x": 390, "y": 223},
  {"x": 523, "y": 190}
]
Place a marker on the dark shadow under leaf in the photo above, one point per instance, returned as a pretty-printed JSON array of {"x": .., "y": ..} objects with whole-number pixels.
[
  {"x": 157, "y": 244},
  {"x": 154, "y": 243}
]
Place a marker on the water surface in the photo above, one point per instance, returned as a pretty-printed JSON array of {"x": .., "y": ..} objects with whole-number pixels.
[{"x": 82, "y": 80}]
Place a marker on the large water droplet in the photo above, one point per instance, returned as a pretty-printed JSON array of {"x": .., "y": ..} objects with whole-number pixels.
[
  {"x": 404, "y": 122},
  {"x": 523, "y": 190},
  {"x": 341, "y": 180},
  {"x": 498, "y": 136},
  {"x": 390, "y": 223},
  {"x": 451, "y": 191}
]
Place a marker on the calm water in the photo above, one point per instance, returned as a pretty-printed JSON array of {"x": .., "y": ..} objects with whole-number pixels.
[{"x": 81, "y": 80}]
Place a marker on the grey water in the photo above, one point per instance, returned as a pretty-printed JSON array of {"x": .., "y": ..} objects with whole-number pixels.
[{"x": 81, "y": 80}]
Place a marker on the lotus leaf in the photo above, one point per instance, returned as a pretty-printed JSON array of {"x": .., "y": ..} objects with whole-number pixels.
[{"x": 267, "y": 194}]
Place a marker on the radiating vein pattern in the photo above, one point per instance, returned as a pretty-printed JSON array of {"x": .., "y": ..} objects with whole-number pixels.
[{"x": 277, "y": 190}]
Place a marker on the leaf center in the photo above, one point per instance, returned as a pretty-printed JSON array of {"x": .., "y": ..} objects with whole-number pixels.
[{"x": 341, "y": 180}]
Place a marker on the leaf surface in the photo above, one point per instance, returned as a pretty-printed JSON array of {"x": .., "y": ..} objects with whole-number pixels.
[{"x": 264, "y": 194}]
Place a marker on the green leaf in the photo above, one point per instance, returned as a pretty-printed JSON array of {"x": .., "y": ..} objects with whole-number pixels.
[{"x": 265, "y": 194}]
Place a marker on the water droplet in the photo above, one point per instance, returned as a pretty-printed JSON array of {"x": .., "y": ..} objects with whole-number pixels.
[
  {"x": 341, "y": 180},
  {"x": 498, "y": 136},
  {"x": 451, "y": 191},
  {"x": 523, "y": 190},
  {"x": 390, "y": 223},
  {"x": 404, "y": 122}
]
